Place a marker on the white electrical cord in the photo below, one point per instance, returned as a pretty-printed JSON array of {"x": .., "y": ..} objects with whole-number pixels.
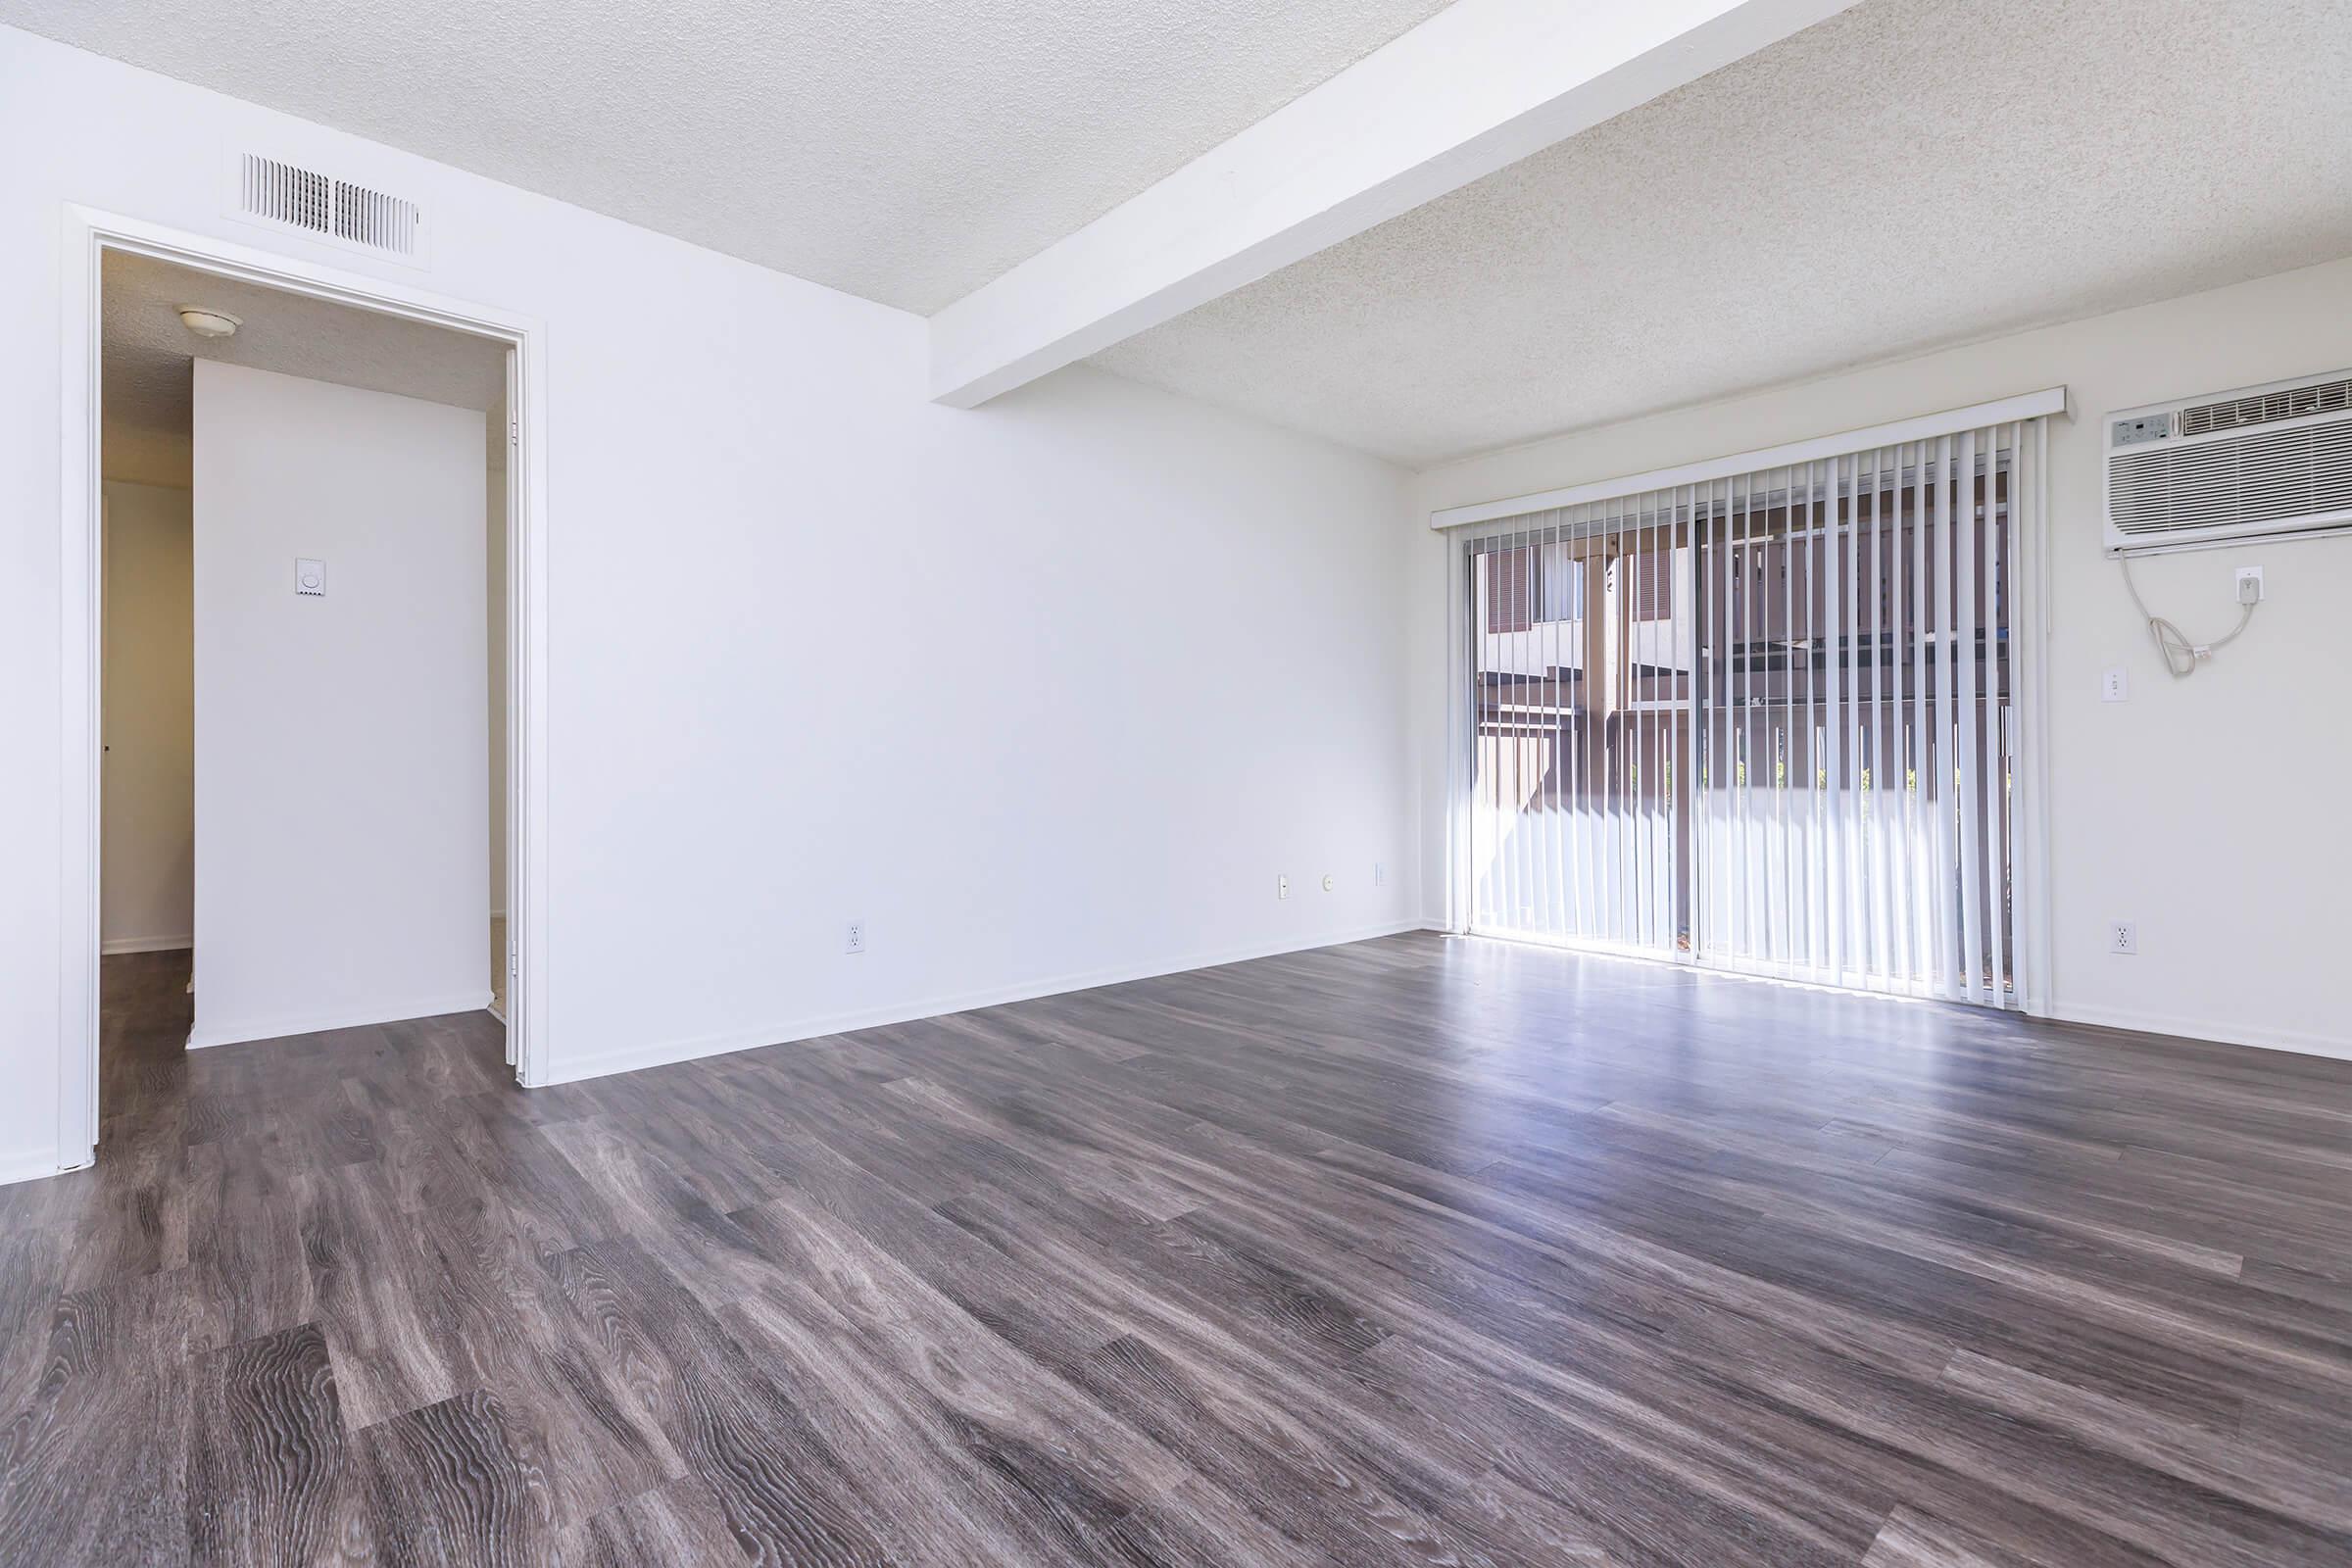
[{"x": 2181, "y": 655}]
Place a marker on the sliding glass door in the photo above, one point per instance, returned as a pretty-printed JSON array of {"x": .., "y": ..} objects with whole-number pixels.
[
  {"x": 1762, "y": 721},
  {"x": 1581, "y": 666}
]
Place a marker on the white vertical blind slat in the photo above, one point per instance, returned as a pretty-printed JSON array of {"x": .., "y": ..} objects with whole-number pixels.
[
  {"x": 1638, "y": 666},
  {"x": 1563, "y": 622},
  {"x": 1513, "y": 901},
  {"x": 1581, "y": 813},
  {"x": 1783, "y": 919},
  {"x": 1916, "y": 661},
  {"x": 1834, "y": 733},
  {"x": 1872, "y": 805},
  {"x": 1747, "y": 861},
  {"x": 1939, "y": 773},
  {"x": 1847, "y": 791},
  {"x": 2000, "y": 528},
  {"x": 1971, "y": 777}
]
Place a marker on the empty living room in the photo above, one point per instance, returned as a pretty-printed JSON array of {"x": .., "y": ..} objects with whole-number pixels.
[{"x": 1176, "y": 782}]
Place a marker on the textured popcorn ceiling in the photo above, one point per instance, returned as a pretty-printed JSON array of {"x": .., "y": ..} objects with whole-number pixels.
[
  {"x": 904, "y": 150},
  {"x": 1907, "y": 175},
  {"x": 146, "y": 404}
]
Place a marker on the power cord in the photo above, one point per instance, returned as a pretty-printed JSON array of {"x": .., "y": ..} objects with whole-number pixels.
[{"x": 2181, "y": 655}]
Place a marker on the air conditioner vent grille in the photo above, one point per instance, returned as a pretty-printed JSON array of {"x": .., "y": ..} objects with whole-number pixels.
[
  {"x": 279, "y": 192},
  {"x": 2278, "y": 477},
  {"x": 2267, "y": 408}
]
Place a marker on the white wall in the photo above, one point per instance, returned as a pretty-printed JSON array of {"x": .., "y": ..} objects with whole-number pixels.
[
  {"x": 1045, "y": 693},
  {"x": 340, "y": 769},
  {"x": 2208, "y": 811},
  {"x": 147, "y": 822}
]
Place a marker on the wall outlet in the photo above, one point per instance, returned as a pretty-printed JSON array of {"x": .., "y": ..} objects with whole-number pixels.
[
  {"x": 2249, "y": 585},
  {"x": 854, "y": 939},
  {"x": 2122, "y": 937},
  {"x": 2115, "y": 686},
  {"x": 1282, "y": 886},
  {"x": 1330, "y": 882}
]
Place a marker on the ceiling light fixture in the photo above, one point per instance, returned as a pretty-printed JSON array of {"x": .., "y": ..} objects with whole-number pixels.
[{"x": 209, "y": 324}]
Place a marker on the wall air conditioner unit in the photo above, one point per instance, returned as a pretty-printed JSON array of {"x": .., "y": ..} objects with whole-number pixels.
[{"x": 2254, "y": 463}]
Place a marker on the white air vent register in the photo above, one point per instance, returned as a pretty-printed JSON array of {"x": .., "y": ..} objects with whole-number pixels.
[
  {"x": 286, "y": 195},
  {"x": 2230, "y": 467}
]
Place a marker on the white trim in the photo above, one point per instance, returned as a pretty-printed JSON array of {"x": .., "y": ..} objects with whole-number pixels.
[
  {"x": 661, "y": 1053},
  {"x": 278, "y": 1028},
  {"x": 1926, "y": 426},
  {"x": 80, "y": 622},
  {"x": 32, "y": 1165},
  {"x": 2204, "y": 1031},
  {"x": 85, "y": 234},
  {"x": 114, "y": 947}
]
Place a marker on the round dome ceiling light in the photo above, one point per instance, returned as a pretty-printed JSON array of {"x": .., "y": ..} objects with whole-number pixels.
[{"x": 209, "y": 324}]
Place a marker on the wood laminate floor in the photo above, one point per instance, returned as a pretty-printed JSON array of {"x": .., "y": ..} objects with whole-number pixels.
[{"x": 1412, "y": 1252}]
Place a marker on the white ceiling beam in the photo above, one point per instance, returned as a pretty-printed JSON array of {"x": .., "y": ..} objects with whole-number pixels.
[{"x": 1475, "y": 89}]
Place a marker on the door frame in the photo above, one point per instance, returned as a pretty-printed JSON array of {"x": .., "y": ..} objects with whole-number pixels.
[{"x": 88, "y": 234}]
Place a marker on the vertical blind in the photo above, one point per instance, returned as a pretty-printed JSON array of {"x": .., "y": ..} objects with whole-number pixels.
[{"x": 1764, "y": 722}]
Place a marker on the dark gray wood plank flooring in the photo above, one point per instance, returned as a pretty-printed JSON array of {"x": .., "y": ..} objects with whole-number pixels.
[{"x": 1412, "y": 1252}]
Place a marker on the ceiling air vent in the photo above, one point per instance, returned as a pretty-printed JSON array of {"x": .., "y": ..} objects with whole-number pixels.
[
  {"x": 286, "y": 195},
  {"x": 2252, "y": 463}
]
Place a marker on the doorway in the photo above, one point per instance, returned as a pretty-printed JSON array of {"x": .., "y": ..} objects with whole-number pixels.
[{"x": 322, "y": 335}]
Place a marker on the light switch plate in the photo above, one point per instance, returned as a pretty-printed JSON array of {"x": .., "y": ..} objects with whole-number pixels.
[{"x": 309, "y": 577}]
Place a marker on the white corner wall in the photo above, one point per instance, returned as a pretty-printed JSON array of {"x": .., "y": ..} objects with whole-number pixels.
[
  {"x": 341, "y": 770},
  {"x": 1046, "y": 693},
  {"x": 2209, "y": 811},
  {"x": 147, "y": 816}
]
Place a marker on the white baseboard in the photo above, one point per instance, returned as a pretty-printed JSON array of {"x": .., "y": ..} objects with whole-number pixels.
[
  {"x": 115, "y": 945},
  {"x": 664, "y": 1053},
  {"x": 31, "y": 1165},
  {"x": 232, "y": 1034},
  {"x": 2218, "y": 1031}
]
